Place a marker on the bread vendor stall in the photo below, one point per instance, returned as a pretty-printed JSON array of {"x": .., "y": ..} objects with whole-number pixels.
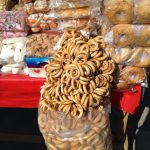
[{"x": 75, "y": 60}]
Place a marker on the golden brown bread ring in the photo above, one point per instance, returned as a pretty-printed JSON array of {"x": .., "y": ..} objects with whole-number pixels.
[
  {"x": 120, "y": 12},
  {"x": 81, "y": 58},
  {"x": 143, "y": 59},
  {"x": 142, "y": 12},
  {"x": 93, "y": 46},
  {"x": 144, "y": 37},
  {"x": 70, "y": 80},
  {"x": 123, "y": 35},
  {"x": 132, "y": 75}
]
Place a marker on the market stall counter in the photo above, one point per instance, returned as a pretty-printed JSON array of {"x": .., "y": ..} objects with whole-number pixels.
[{"x": 21, "y": 91}]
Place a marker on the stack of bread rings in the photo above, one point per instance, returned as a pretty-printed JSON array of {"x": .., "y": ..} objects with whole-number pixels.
[
  {"x": 79, "y": 77},
  {"x": 126, "y": 32},
  {"x": 73, "y": 110}
]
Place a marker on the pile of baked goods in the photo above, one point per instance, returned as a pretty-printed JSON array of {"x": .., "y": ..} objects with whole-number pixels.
[
  {"x": 41, "y": 45},
  {"x": 127, "y": 11},
  {"x": 56, "y": 15},
  {"x": 126, "y": 32},
  {"x": 77, "y": 89}
]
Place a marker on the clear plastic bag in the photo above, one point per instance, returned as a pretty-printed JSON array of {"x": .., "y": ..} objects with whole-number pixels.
[
  {"x": 12, "y": 53},
  {"x": 137, "y": 56},
  {"x": 130, "y": 75},
  {"x": 127, "y": 11},
  {"x": 29, "y": 8},
  {"x": 13, "y": 49},
  {"x": 13, "y": 21},
  {"x": 62, "y": 131},
  {"x": 37, "y": 7},
  {"x": 124, "y": 35},
  {"x": 42, "y": 45},
  {"x": 126, "y": 77},
  {"x": 43, "y": 22},
  {"x": 119, "y": 11},
  {"x": 72, "y": 13},
  {"x": 65, "y": 4},
  {"x": 41, "y": 6},
  {"x": 142, "y": 11}
]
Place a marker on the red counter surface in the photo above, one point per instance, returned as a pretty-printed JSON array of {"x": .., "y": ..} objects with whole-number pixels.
[{"x": 21, "y": 91}]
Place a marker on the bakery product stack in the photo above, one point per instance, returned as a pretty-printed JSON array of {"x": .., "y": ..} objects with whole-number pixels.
[
  {"x": 126, "y": 33},
  {"x": 13, "y": 32},
  {"x": 74, "y": 105},
  {"x": 55, "y": 15}
]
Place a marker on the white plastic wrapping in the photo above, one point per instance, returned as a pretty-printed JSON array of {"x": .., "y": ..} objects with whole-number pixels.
[
  {"x": 64, "y": 4},
  {"x": 12, "y": 52}
]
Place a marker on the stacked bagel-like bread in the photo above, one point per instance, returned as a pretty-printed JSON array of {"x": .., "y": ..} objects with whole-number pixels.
[
  {"x": 74, "y": 100},
  {"x": 127, "y": 32}
]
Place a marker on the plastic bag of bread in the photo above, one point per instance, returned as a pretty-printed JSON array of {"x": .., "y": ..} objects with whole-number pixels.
[
  {"x": 124, "y": 35},
  {"x": 137, "y": 56},
  {"x": 126, "y": 77},
  {"x": 37, "y": 6},
  {"x": 119, "y": 11},
  {"x": 29, "y": 8},
  {"x": 127, "y": 11},
  {"x": 72, "y": 13},
  {"x": 61, "y": 131},
  {"x": 41, "y": 5},
  {"x": 142, "y": 11},
  {"x": 76, "y": 90},
  {"x": 89, "y": 25},
  {"x": 41, "y": 21},
  {"x": 42, "y": 45},
  {"x": 131, "y": 75},
  {"x": 13, "y": 21},
  {"x": 65, "y": 4}
]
